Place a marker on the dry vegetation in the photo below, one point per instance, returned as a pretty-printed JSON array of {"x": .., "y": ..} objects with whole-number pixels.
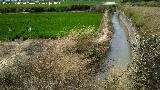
[
  {"x": 66, "y": 63},
  {"x": 144, "y": 73}
]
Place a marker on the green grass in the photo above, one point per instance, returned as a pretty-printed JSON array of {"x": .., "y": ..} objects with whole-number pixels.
[{"x": 45, "y": 25}]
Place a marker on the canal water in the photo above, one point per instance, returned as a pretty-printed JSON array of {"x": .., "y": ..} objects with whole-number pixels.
[{"x": 119, "y": 53}]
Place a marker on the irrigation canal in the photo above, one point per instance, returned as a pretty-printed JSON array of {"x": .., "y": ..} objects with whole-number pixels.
[{"x": 119, "y": 53}]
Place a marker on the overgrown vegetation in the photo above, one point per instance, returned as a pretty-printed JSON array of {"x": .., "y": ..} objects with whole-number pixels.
[
  {"x": 45, "y": 25},
  {"x": 145, "y": 71}
]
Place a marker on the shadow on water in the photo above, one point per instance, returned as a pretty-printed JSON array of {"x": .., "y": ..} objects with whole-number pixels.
[{"x": 119, "y": 53}]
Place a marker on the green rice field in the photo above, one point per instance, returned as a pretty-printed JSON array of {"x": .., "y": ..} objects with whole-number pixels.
[{"x": 45, "y": 25}]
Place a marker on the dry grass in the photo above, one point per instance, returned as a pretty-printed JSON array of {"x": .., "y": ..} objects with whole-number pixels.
[{"x": 145, "y": 70}]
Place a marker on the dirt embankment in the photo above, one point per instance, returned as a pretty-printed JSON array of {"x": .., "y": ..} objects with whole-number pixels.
[
  {"x": 105, "y": 34},
  {"x": 65, "y": 63}
]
